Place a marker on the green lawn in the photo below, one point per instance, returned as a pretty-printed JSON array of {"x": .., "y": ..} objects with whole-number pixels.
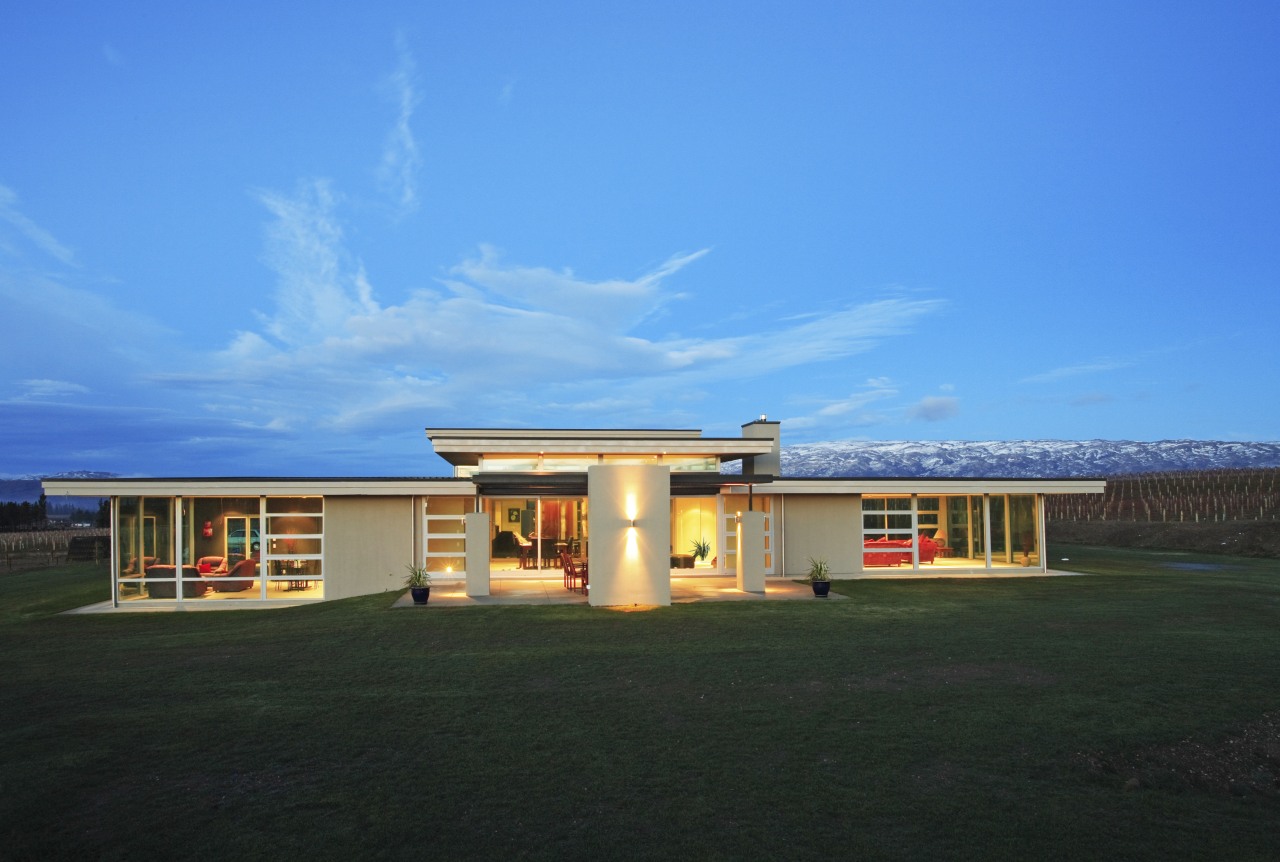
[{"x": 963, "y": 719}]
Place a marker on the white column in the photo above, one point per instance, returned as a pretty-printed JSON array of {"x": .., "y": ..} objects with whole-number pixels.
[
  {"x": 750, "y": 568},
  {"x": 629, "y": 556},
  {"x": 859, "y": 538},
  {"x": 986, "y": 527},
  {"x": 477, "y": 532}
]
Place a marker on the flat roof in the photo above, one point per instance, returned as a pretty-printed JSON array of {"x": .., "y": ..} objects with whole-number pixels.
[
  {"x": 682, "y": 482},
  {"x": 465, "y": 446},
  {"x": 253, "y": 486}
]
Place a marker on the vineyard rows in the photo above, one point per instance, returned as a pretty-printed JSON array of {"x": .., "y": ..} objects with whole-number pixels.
[
  {"x": 42, "y": 546},
  {"x": 1185, "y": 497}
]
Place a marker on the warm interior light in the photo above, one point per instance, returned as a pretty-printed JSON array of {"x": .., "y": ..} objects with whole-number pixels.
[{"x": 632, "y": 550}]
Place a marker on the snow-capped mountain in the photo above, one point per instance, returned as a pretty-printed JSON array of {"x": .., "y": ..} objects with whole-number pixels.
[
  {"x": 1042, "y": 459},
  {"x": 27, "y": 489}
]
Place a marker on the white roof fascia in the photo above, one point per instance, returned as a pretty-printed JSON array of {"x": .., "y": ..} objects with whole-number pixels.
[
  {"x": 929, "y": 487},
  {"x": 467, "y": 452},
  {"x": 256, "y": 487},
  {"x": 562, "y": 433}
]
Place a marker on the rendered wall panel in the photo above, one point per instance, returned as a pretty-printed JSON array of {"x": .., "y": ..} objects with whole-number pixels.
[
  {"x": 368, "y": 541},
  {"x": 826, "y": 526}
]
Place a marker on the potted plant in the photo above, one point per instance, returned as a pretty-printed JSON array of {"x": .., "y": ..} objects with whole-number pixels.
[
  {"x": 419, "y": 584},
  {"x": 701, "y": 548},
  {"x": 819, "y": 576}
]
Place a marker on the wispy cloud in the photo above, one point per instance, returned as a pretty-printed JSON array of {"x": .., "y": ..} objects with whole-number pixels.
[
  {"x": 11, "y": 215},
  {"x": 317, "y": 288},
  {"x": 491, "y": 338},
  {"x": 507, "y": 93},
  {"x": 401, "y": 160},
  {"x": 1098, "y": 366},
  {"x": 43, "y": 389},
  {"x": 853, "y": 410}
]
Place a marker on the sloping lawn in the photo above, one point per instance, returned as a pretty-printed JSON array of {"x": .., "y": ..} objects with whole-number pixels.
[{"x": 1125, "y": 715}]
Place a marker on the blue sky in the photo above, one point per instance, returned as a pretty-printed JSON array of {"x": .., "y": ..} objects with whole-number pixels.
[{"x": 283, "y": 238}]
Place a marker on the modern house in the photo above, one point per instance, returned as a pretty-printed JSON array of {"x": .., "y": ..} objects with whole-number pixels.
[{"x": 635, "y": 507}]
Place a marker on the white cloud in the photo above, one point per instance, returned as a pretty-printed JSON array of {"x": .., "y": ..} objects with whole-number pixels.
[
  {"x": 1096, "y": 367},
  {"x": 854, "y": 409},
  {"x": 401, "y": 160},
  {"x": 29, "y": 230},
  {"x": 316, "y": 293},
  {"x": 43, "y": 389},
  {"x": 492, "y": 338}
]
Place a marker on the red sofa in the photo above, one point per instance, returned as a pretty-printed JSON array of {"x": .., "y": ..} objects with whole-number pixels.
[
  {"x": 875, "y": 553},
  {"x": 238, "y": 579},
  {"x": 191, "y": 588}
]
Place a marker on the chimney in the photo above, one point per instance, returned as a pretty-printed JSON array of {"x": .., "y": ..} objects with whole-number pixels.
[{"x": 765, "y": 465}]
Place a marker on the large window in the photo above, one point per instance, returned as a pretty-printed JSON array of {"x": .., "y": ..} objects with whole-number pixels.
[
  {"x": 962, "y": 526},
  {"x": 732, "y": 506},
  {"x": 694, "y": 543},
  {"x": 219, "y": 548},
  {"x": 530, "y": 532},
  {"x": 888, "y": 531},
  {"x": 146, "y": 564},
  {"x": 444, "y": 534},
  {"x": 222, "y": 538},
  {"x": 294, "y": 547},
  {"x": 1024, "y": 530}
]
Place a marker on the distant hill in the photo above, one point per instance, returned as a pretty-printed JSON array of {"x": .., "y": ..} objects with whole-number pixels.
[
  {"x": 26, "y": 489},
  {"x": 1014, "y": 459}
]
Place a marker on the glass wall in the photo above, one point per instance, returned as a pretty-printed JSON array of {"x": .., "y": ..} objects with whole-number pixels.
[
  {"x": 145, "y": 545},
  {"x": 1024, "y": 529},
  {"x": 960, "y": 525},
  {"x": 214, "y": 548},
  {"x": 694, "y": 543},
  {"x": 729, "y": 530},
  {"x": 444, "y": 534},
  {"x": 888, "y": 531},
  {"x": 222, "y": 538},
  {"x": 531, "y": 532},
  {"x": 294, "y": 545}
]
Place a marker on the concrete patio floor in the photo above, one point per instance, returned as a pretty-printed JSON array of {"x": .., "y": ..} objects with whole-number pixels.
[
  {"x": 524, "y": 590},
  {"x": 551, "y": 591}
]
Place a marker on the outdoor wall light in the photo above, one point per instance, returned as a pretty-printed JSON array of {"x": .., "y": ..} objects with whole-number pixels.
[{"x": 631, "y": 510}]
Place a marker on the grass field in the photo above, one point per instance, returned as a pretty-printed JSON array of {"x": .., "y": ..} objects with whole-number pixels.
[{"x": 1130, "y": 714}]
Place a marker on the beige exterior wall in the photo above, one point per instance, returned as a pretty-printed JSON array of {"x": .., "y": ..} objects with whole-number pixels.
[
  {"x": 368, "y": 541},
  {"x": 822, "y": 526},
  {"x": 750, "y": 558},
  {"x": 477, "y": 554},
  {"x": 629, "y": 565}
]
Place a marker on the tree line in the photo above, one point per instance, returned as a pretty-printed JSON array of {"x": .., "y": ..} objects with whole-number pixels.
[
  {"x": 35, "y": 516},
  {"x": 25, "y": 515}
]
